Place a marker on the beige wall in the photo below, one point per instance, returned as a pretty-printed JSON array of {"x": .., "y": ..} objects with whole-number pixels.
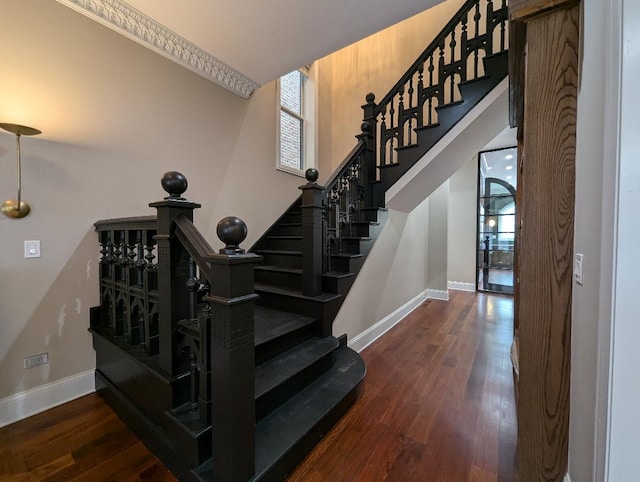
[
  {"x": 374, "y": 65},
  {"x": 437, "y": 238},
  {"x": 394, "y": 272},
  {"x": 114, "y": 118},
  {"x": 462, "y": 226},
  {"x": 589, "y": 318}
]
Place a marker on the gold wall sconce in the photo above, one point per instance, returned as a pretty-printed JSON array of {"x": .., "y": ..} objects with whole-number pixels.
[{"x": 17, "y": 208}]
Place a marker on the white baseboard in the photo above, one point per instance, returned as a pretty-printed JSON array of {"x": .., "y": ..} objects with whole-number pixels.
[
  {"x": 438, "y": 294},
  {"x": 566, "y": 478},
  {"x": 461, "y": 286},
  {"x": 371, "y": 334},
  {"x": 30, "y": 402}
]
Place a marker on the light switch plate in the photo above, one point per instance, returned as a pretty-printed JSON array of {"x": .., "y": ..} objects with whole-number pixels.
[
  {"x": 577, "y": 268},
  {"x": 32, "y": 249}
]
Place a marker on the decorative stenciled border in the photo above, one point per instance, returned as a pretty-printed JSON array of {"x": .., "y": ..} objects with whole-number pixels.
[{"x": 132, "y": 23}]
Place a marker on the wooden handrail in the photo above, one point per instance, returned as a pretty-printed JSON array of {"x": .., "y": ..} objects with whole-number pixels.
[{"x": 195, "y": 244}]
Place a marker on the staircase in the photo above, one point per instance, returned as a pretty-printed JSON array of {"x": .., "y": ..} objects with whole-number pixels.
[{"x": 225, "y": 363}]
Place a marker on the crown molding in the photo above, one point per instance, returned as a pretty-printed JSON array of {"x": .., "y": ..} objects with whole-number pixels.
[{"x": 135, "y": 25}]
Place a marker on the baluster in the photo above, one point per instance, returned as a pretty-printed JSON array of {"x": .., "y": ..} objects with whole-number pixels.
[
  {"x": 193, "y": 285},
  {"x": 383, "y": 136},
  {"x": 104, "y": 250},
  {"x": 452, "y": 45},
  {"x": 117, "y": 251},
  {"x": 204, "y": 401},
  {"x": 149, "y": 257},
  {"x": 353, "y": 189},
  {"x": 463, "y": 51},
  {"x": 401, "y": 117},
  {"x": 195, "y": 381},
  {"x": 410, "y": 127},
  {"x": 441, "y": 74},
  {"x": 431, "y": 69},
  {"x": 131, "y": 250},
  {"x": 419, "y": 97},
  {"x": 109, "y": 243},
  {"x": 489, "y": 27},
  {"x": 503, "y": 24},
  {"x": 140, "y": 261},
  {"x": 345, "y": 201}
]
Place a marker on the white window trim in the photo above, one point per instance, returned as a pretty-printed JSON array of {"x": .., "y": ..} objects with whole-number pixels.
[{"x": 309, "y": 123}]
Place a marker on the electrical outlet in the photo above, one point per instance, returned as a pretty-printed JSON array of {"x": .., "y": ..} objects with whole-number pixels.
[{"x": 36, "y": 360}]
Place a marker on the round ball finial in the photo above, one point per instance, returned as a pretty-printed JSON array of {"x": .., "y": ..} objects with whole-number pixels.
[
  {"x": 174, "y": 183},
  {"x": 370, "y": 97},
  {"x": 365, "y": 127},
  {"x": 231, "y": 231},
  {"x": 311, "y": 175}
]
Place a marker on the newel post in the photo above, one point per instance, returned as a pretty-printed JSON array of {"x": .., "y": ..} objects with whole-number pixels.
[
  {"x": 173, "y": 267},
  {"x": 369, "y": 128},
  {"x": 232, "y": 301},
  {"x": 312, "y": 246}
]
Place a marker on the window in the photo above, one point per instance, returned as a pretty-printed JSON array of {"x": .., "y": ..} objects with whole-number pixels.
[{"x": 296, "y": 136}]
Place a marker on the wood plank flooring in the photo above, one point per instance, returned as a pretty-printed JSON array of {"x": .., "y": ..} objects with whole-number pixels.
[{"x": 437, "y": 405}]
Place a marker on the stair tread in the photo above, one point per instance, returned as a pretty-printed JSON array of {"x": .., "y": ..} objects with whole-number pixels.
[
  {"x": 370, "y": 223},
  {"x": 323, "y": 297},
  {"x": 388, "y": 166},
  {"x": 347, "y": 255},
  {"x": 279, "y": 269},
  {"x": 374, "y": 209},
  {"x": 275, "y": 371},
  {"x": 271, "y": 323},
  {"x": 278, "y": 251},
  {"x": 278, "y": 433},
  {"x": 189, "y": 421},
  {"x": 429, "y": 126},
  {"x": 363, "y": 238},
  {"x": 284, "y": 237},
  {"x": 337, "y": 274}
]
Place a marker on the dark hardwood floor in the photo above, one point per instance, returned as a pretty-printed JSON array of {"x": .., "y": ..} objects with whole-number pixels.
[{"x": 437, "y": 405}]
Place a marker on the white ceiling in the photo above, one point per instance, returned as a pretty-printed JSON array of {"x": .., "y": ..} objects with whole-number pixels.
[{"x": 264, "y": 39}]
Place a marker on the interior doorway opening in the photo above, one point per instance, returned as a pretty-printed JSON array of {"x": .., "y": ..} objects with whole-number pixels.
[{"x": 497, "y": 183}]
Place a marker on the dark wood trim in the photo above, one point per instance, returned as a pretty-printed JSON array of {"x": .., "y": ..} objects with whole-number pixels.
[
  {"x": 517, "y": 37},
  {"x": 546, "y": 251},
  {"x": 525, "y": 9}
]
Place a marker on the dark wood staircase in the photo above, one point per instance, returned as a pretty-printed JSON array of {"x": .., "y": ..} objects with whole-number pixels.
[{"x": 225, "y": 363}]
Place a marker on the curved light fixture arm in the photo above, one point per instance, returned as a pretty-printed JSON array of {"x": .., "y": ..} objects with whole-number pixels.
[{"x": 17, "y": 208}]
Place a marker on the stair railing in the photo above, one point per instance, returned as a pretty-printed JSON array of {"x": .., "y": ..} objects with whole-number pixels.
[
  {"x": 477, "y": 31},
  {"x": 192, "y": 310},
  {"x": 128, "y": 282}
]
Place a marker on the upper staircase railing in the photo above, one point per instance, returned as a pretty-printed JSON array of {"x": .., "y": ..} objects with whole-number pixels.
[
  {"x": 477, "y": 31},
  {"x": 456, "y": 57}
]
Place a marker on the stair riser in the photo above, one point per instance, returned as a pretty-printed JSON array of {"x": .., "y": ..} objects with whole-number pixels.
[
  {"x": 346, "y": 265},
  {"x": 292, "y": 218},
  {"x": 195, "y": 450},
  {"x": 323, "y": 312},
  {"x": 275, "y": 347},
  {"x": 356, "y": 246},
  {"x": 360, "y": 229},
  {"x": 288, "y": 230},
  {"x": 284, "y": 260},
  {"x": 337, "y": 285},
  {"x": 369, "y": 214},
  {"x": 273, "y": 399},
  {"x": 279, "y": 244},
  {"x": 290, "y": 281}
]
